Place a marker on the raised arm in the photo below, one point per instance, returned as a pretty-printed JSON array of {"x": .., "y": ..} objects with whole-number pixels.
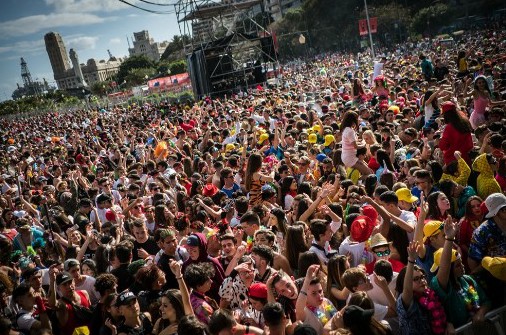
[
  {"x": 407, "y": 290},
  {"x": 443, "y": 273},
  {"x": 175, "y": 267}
]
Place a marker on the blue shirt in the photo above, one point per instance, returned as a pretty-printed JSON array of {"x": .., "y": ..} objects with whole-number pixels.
[
  {"x": 488, "y": 240},
  {"x": 427, "y": 261},
  {"x": 230, "y": 192},
  {"x": 412, "y": 321}
]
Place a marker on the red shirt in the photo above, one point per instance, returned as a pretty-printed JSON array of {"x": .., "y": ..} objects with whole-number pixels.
[
  {"x": 453, "y": 140},
  {"x": 396, "y": 266}
]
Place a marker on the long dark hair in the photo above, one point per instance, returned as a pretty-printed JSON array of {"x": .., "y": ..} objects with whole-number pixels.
[
  {"x": 294, "y": 245},
  {"x": 254, "y": 164},
  {"x": 176, "y": 300},
  {"x": 285, "y": 188},
  {"x": 458, "y": 121},
  {"x": 281, "y": 216},
  {"x": 434, "y": 213},
  {"x": 383, "y": 158},
  {"x": 357, "y": 87},
  {"x": 469, "y": 210},
  {"x": 335, "y": 269},
  {"x": 427, "y": 96},
  {"x": 350, "y": 118}
]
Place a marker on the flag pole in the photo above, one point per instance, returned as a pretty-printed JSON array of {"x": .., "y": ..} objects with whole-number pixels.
[{"x": 369, "y": 29}]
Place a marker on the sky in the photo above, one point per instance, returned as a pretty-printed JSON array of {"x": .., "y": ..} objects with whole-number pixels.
[{"x": 91, "y": 27}]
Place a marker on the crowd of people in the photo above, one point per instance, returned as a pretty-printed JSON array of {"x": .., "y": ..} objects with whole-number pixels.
[{"x": 359, "y": 196}]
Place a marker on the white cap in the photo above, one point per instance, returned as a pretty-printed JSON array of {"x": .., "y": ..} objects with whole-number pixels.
[{"x": 495, "y": 202}]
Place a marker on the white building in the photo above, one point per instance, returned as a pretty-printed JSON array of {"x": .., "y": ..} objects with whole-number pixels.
[{"x": 145, "y": 45}]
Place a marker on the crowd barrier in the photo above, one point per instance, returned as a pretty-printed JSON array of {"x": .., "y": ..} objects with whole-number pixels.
[{"x": 494, "y": 324}]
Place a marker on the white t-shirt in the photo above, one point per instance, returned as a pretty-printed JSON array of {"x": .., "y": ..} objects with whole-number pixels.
[
  {"x": 410, "y": 218},
  {"x": 89, "y": 286},
  {"x": 357, "y": 251},
  {"x": 376, "y": 293},
  {"x": 377, "y": 70},
  {"x": 25, "y": 320},
  {"x": 349, "y": 153}
]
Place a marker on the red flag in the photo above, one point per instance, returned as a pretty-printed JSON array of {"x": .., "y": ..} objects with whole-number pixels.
[
  {"x": 362, "y": 27},
  {"x": 373, "y": 22}
]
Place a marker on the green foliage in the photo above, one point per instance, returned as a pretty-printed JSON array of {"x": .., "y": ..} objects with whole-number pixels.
[
  {"x": 139, "y": 76},
  {"x": 433, "y": 16},
  {"x": 100, "y": 88},
  {"x": 175, "y": 49},
  {"x": 133, "y": 62}
]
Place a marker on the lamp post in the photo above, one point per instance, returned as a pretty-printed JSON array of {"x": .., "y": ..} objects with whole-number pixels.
[{"x": 369, "y": 29}]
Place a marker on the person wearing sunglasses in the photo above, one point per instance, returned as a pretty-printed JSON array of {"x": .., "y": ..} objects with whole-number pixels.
[{"x": 380, "y": 249}]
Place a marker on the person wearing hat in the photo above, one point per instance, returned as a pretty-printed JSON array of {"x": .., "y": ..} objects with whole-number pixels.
[
  {"x": 456, "y": 135},
  {"x": 486, "y": 184},
  {"x": 489, "y": 238},
  {"x": 81, "y": 282},
  {"x": 70, "y": 298},
  {"x": 406, "y": 200},
  {"x": 360, "y": 228},
  {"x": 453, "y": 286},
  {"x": 134, "y": 321},
  {"x": 197, "y": 249},
  {"x": 25, "y": 298},
  {"x": 380, "y": 249}
]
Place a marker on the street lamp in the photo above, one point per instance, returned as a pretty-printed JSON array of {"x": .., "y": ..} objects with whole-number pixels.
[{"x": 369, "y": 29}]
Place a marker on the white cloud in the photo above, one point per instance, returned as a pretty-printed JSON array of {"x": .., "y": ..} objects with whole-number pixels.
[
  {"x": 36, "y": 23},
  {"x": 82, "y": 43},
  {"x": 115, "y": 40},
  {"x": 24, "y": 47},
  {"x": 80, "y": 6}
]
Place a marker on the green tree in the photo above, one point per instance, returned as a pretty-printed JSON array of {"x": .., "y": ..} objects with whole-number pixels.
[
  {"x": 139, "y": 76},
  {"x": 175, "y": 49},
  {"x": 133, "y": 62}
]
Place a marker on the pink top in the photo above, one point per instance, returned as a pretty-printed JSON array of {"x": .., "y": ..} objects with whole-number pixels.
[
  {"x": 480, "y": 104},
  {"x": 349, "y": 136}
]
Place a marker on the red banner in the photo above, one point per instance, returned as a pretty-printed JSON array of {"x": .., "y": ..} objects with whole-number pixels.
[
  {"x": 362, "y": 26},
  {"x": 373, "y": 22}
]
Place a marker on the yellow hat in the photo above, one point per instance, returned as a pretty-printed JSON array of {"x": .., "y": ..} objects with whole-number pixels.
[
  {"x": 496, "y": 266},
  {"x": 317, "y": 127},
  {"x": 437, "y": 258},
  {"x": 312, "y": 138},
  {"x": 263, "y": 137},
  {"x": 404, "y": 194},
  {"x": 229, "y": 147},
  {"x": 394, "y": 109},
  {"x": 329, "y": 139},
  {"x": 431, "y": 228}
]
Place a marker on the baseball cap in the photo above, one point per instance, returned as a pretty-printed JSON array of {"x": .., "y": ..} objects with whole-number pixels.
[
  {"x": 62, "y": 278},
  {"x": 437, "y": 258},
  {"x": 404, "y": 194},
  {"x": 495, "y": 202},
  {"x": 320, "y": 157},
  {"x": 124, "y": 298},
  {"x": 355, "y": 315},
  {"x": 329, "y": 139},
  {"x": 263, "y": 137},
  {"x": 431, "y": 228},
  {"x": 193, "y": 241},
  {"x": 447, "y": 106},
  {"x": 210, "y": 190},
  {"x": 496, "y": 266}
]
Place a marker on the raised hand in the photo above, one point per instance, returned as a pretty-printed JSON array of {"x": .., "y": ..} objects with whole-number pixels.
[
  {"x": 312, "y": 271},
  {"x": 450, "y": 228},
  {"x": 175, "y": 267},
  {"x": 413, "y": 250}
]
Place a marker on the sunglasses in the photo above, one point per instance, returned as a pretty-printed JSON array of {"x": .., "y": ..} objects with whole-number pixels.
[{"x": 382, "y": 253}]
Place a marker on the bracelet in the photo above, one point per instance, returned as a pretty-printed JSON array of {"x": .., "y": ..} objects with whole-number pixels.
[
  {"x": 179, "y": 277},
  {"x": 303, "y": 293},
  {"x": 412, "y": 262},
  {"x": 451, "y": 239}
]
